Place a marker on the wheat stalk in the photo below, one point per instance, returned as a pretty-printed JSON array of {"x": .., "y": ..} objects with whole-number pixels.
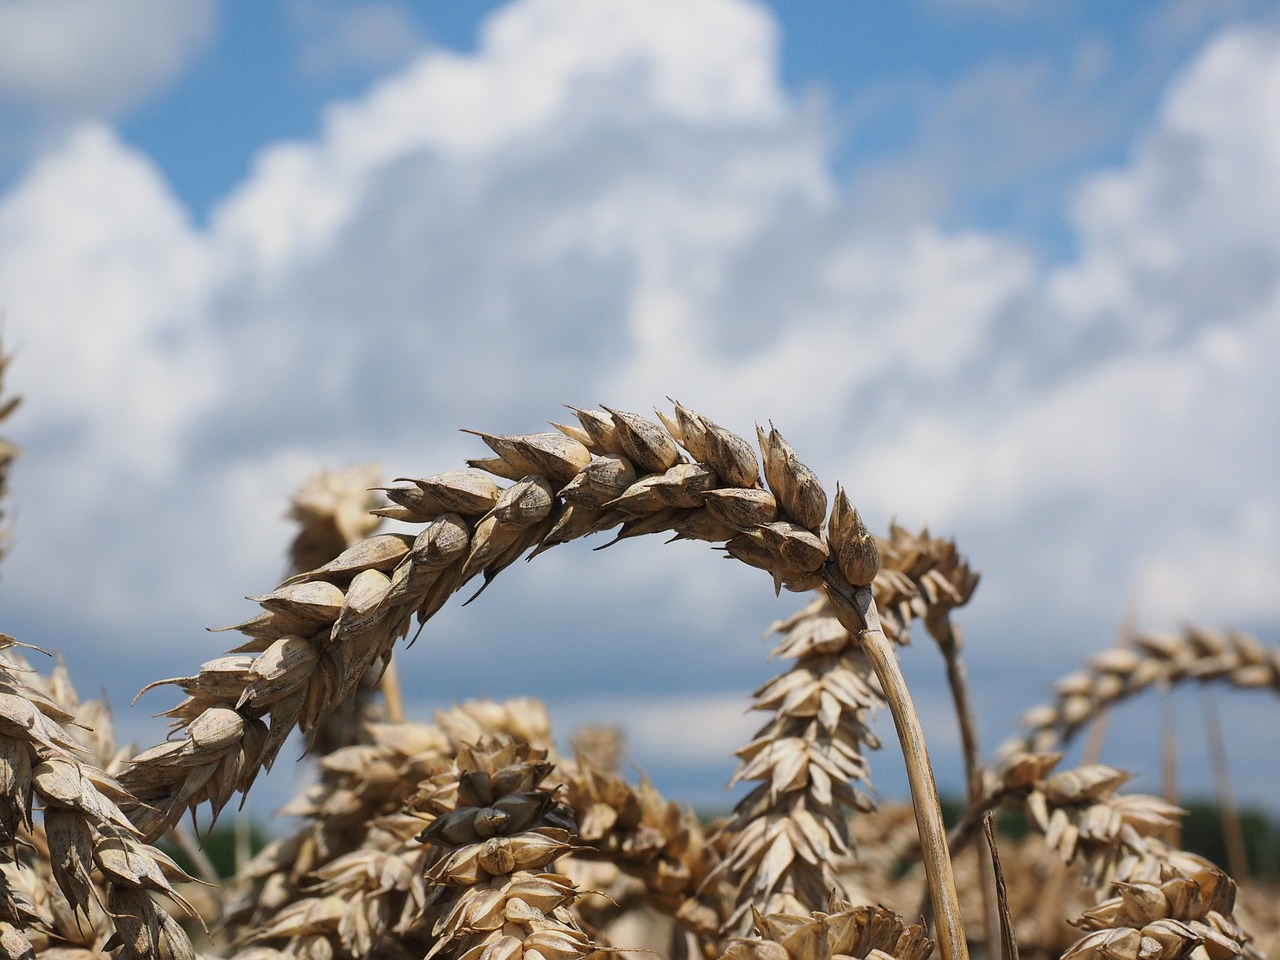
[
  {"x": 8, "y": 452},
  {"x": 320, "y": 632}
]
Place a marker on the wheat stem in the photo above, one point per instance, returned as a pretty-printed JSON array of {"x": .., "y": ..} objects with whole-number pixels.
[{"x": 857, "y": 612}]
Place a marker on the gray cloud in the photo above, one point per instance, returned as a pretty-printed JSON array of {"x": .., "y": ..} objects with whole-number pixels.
[{"x": 77, "y": 58}]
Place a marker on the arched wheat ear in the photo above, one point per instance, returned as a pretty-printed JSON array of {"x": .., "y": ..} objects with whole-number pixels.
[
  {"x": 1145, "y": 660},
  {"x": 318, "y": 634}
]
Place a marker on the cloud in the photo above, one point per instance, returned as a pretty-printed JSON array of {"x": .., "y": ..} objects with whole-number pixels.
[
  {"x": 78, "y": 57},
  {"x": 594, "y": 207},
  {"x": 107, "y": 284},
  {"x": 334, "y": 38}
]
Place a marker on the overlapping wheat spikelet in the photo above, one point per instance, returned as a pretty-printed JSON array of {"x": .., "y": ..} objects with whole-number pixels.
[
  {"x": 334, "y": 511},
  {"x": 356, "y": 830}
]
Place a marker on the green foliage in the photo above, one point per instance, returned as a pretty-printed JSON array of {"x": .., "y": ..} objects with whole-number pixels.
[
  {"x": 219, "y": 847},
  {"x": 1202, "y": 833}
]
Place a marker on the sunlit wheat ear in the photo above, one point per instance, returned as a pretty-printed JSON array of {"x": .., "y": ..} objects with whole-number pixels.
[
  {"x": 647, "y": 837},
  {"x": 810, "y": 757},
  {"x": 80, "y": 842},
  {"x": 1142, "y": 662},
  {"x": 355, "y": 845},
  {"x": 1116, "y": 839},
  {"x": 1178, "y": 916},
  {"x": 843, "y": 931},
  {"x": 318, "y": 634},
  {"x": 789, "y": 834},
  {"x": 493, "y": 890},
  {"x": 301, "y": 650}
]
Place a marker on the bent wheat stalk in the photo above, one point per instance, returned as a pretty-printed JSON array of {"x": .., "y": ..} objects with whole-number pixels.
[{"x": 320, "y": 631}]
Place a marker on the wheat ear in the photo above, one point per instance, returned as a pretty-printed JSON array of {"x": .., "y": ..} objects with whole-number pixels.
[
  {"x": 318, "y": 634},
  {"x": 1181, "y": 915},
  {"x": 356, "y": 846},
  {"x": 789, "y": 833},
  {"x": 647, "y": 837},
  {"x": 83, "y": 846},
  {"x": 1143, "y": 661},
  {"x": 1118, "y": 839}
]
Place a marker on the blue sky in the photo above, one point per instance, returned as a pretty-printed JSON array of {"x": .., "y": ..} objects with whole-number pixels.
[{"x": 1005, "y": 268}]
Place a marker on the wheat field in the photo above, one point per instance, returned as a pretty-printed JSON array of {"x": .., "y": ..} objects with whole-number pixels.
[{"x": 470, "y": 836}]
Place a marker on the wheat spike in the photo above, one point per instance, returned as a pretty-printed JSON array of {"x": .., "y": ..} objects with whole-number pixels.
[
  {"x": 474, "y": 529},
  {"x": 1163, "y": 920},
  {"x": 647, "y": 837},
  {"x": 1118, "y": 841},
  {"x": 1141, "y": 662},
  {"x": 356, "y": 837},
  {"x": 788, "y": 835},
  {"x": 843, "y": 931},
  {"x": 79, "y": 873}
]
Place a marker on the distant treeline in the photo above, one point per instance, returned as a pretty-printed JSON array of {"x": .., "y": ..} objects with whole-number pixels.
[{"x": 1201, "y": 834}]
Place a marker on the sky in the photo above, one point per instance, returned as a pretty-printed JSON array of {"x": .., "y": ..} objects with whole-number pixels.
[{"x": 1006, "y": 269}]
